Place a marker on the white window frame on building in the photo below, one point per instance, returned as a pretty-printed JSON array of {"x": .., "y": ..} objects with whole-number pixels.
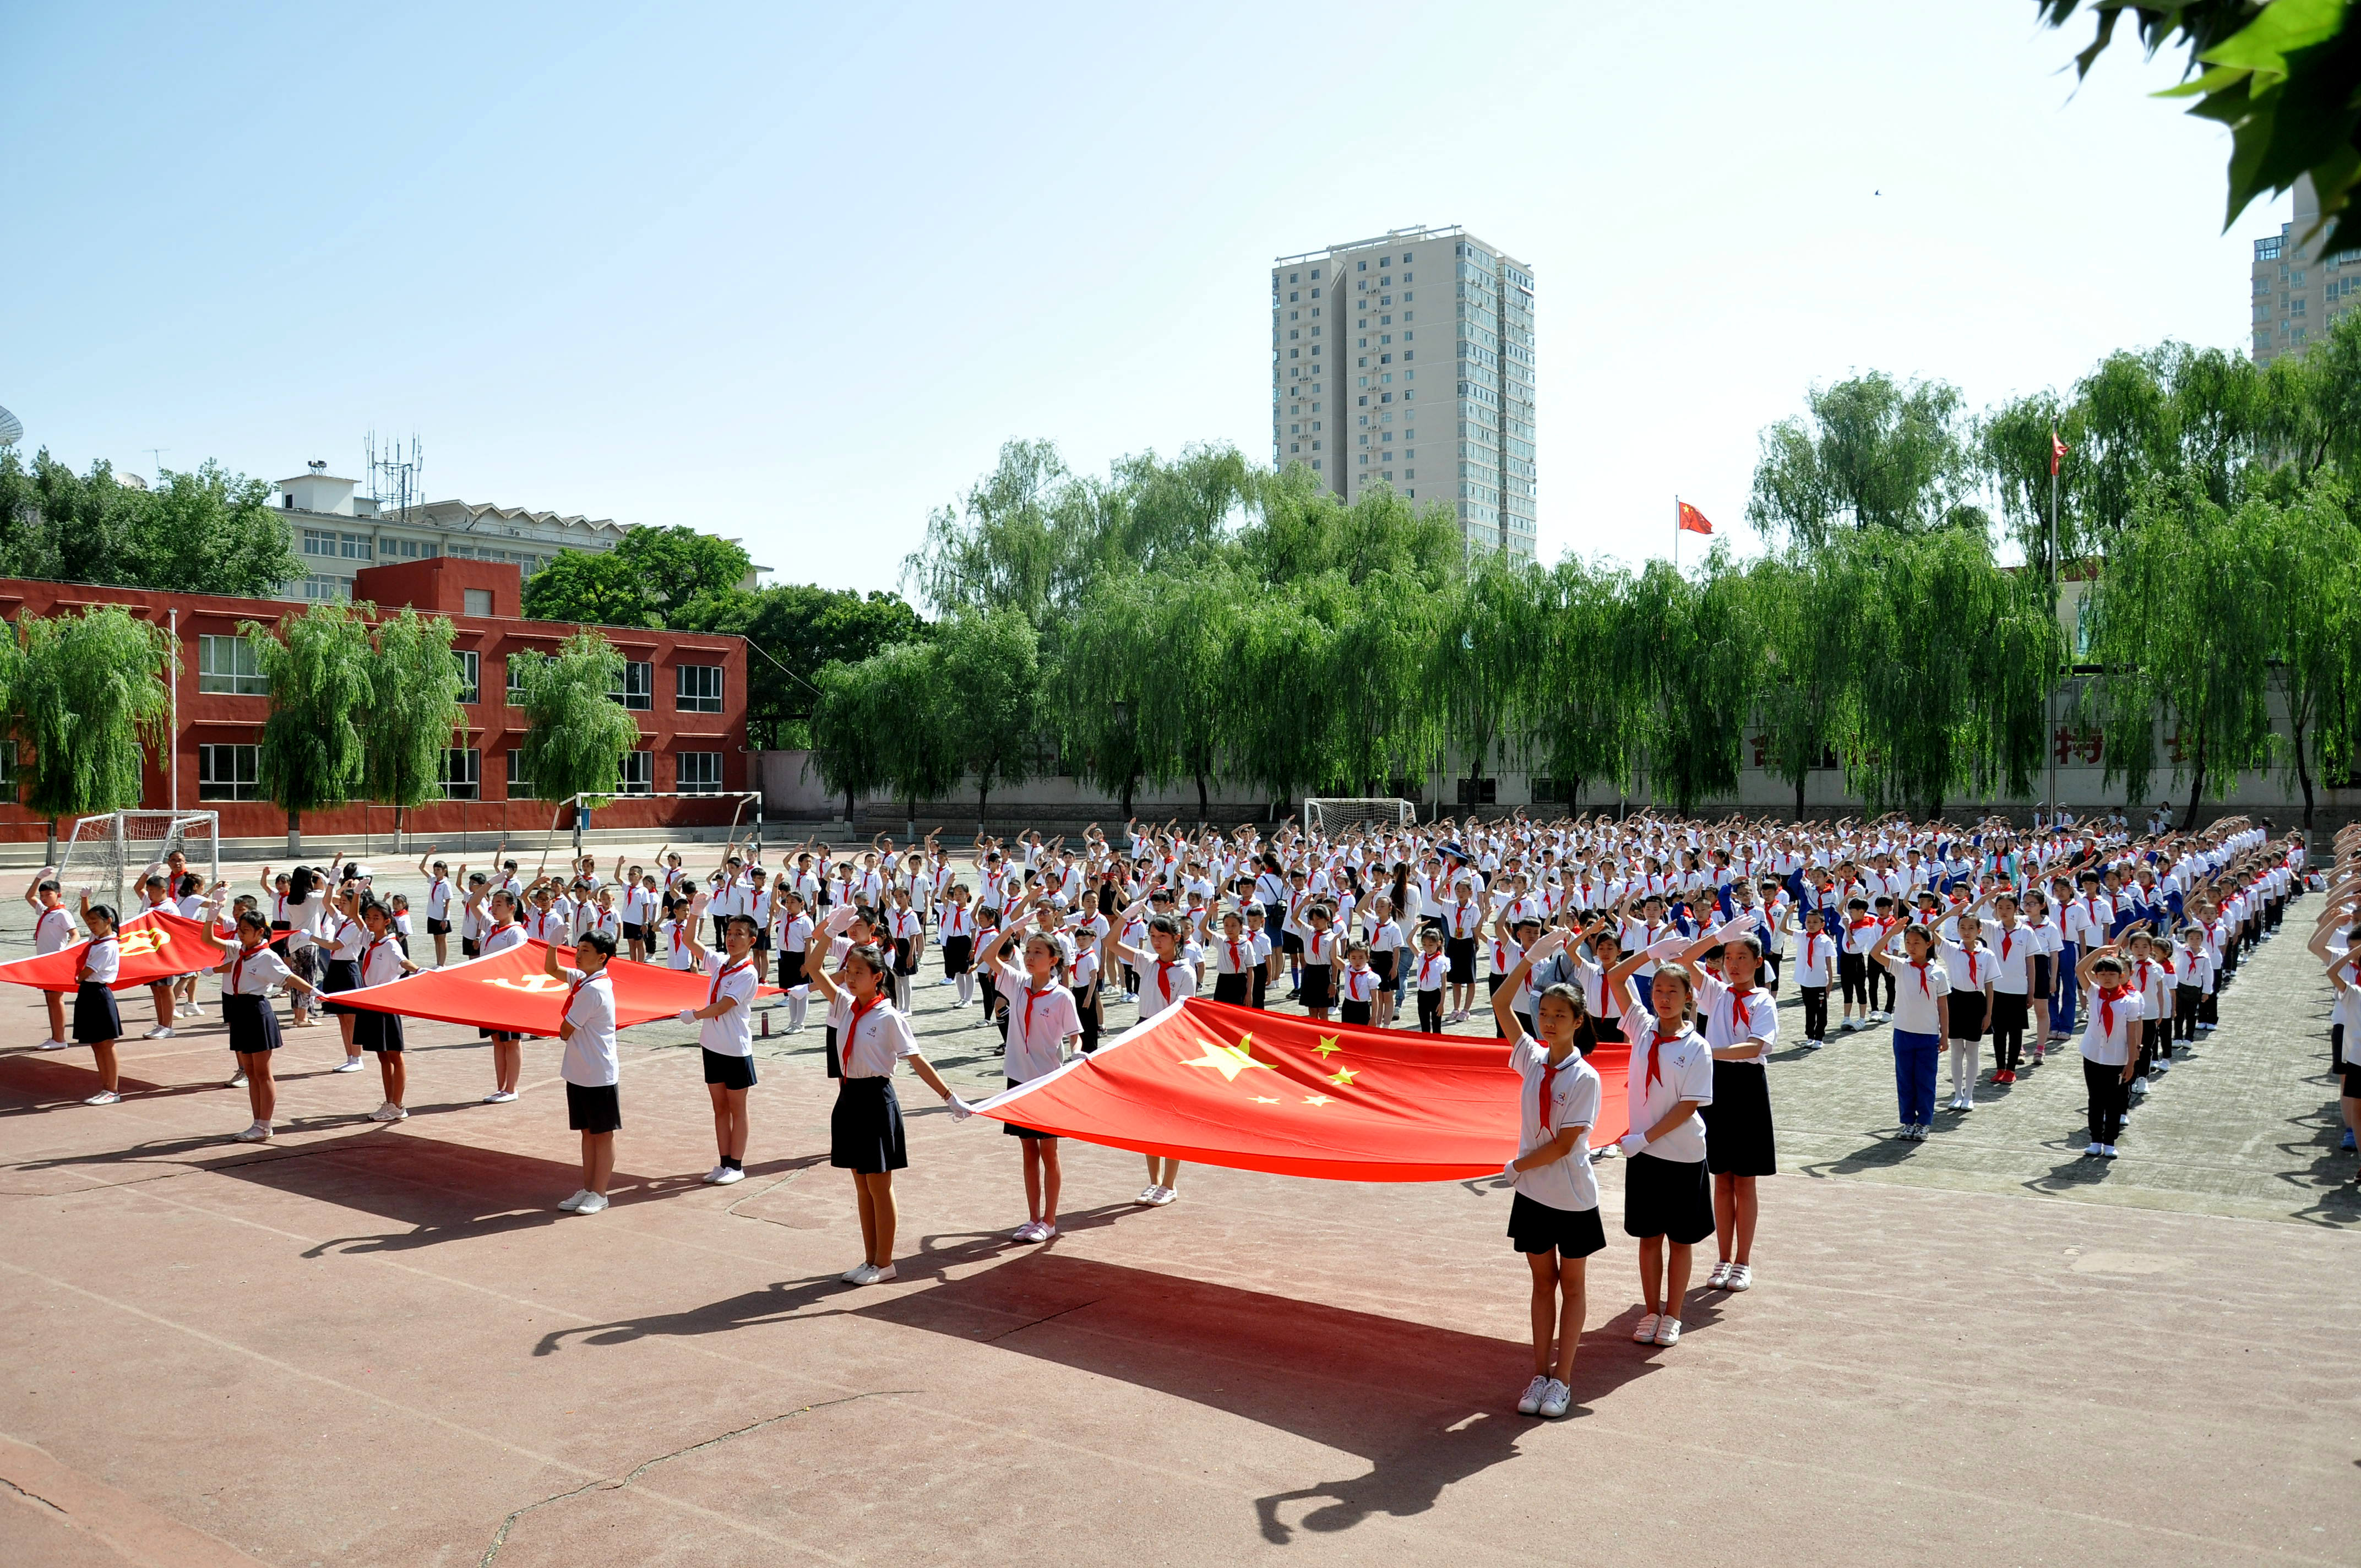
[
  {"x": 471, "y": 670},
  {"x": 226, "y": 667},
  {"x": 463, "y": 774},
  {"x": 229, "y": 771},
  {"x": 638, "y": 773},
  {"x": 698, "y": 772},
  {"x": 519, "y": 787},
  {"x": 635, "y": 689},
  {"x": 697, "y": 689}
]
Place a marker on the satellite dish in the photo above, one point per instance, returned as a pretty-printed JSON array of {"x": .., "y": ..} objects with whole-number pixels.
[{"x": 12, "y": 429}]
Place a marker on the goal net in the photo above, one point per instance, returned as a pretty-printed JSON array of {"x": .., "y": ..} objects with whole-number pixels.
[
  {"x": 743, "y": 817},
  {"x": 108, "y": 853},
  {"x": 1335, "y": 816}
]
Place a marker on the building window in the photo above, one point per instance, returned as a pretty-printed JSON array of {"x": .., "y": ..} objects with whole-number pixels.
[
  {"x": 228, "y": 772},
  {"x": 635, "y": 689},
  {"x": 514, "y": 664},
  {"x": 700, "y": 772},
  {"x": 474, "y": 601},
  {"x": 326, "y": 542},
  {"x": 227, "y": 664},
  {"x": 519, "y": 787},
  {"x": 470, "y": 667},
  {"x": 322, "y": 589},
  {"x": 639, "y": 773},
  {"x": 697, "y": 688},
  {"x": 463, "y": 774}
]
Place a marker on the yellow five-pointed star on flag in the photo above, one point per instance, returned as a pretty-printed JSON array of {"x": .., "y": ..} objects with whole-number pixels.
[
  {"x": 1229, "y": 1060},
  {"x": 1342, "y": 1076},
  {"x": 1317, "y": 1100},
  {"x": 1264, "y": 1100},
  {"x": 1327, "y": 1047}
]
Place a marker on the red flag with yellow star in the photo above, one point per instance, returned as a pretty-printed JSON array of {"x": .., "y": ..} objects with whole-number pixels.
[{"x": 1213, "y": 1084}]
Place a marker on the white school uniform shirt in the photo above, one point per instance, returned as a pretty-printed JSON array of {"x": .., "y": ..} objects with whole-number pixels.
[
  {"x": 1968, "y": 970},
  {"x": 905, "y": 925},
  {"x": 870, "y": 1040},
  {"x": 350, "y": 937},
  {"x": 1162, "y": 985},
  {"x": 1684, "y": 1071},
  {"x": 438, "y": 899},
  {"x": 2107, "y": 1036},
  {"x": 2087, "y": 919},
  {"x": 1917, "y": 989},
  {"x": 380, "y": 960},
  {"x": 957, "y": 920},
  {"x": 1461, "y": 919},
  {"x": 552, "y": 927},
  {"x": 53, "y": 930},
  {"x": 2154, "y": 981},
  {"x": 1235, "y": 956},
  {"x": 1361, "y": 985},
  {"x": 590, "y": 1059},
  {"x": 1816, "y": 960},
  {"x": 1728, "y": 1024},
  {"x": 732, "y": 1034},
  {"x": 673, "y": 937},
  {"x": 796, "y": 935},
  {"x": 2012, "y": 951},
  {"x": 1567, "y": 1183},
  {"x": 253, "y": 974},
  {"x": 103, "y": 959},
  {"x": 1039, "y": 1023},
  {"x": 500, "y": 939},
  {"x": 639, "y": 905}
]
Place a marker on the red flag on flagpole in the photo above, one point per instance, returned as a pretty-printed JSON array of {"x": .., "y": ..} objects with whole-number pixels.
[
  {"x": 2057, "y": 453},
  {"x": 1214, "y": 1084},
  {"x": 1691, "y": 520}
]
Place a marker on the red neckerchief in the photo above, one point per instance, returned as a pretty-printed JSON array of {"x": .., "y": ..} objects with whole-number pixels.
[
  {"x": 1237, "y": 964},
  {"x": 1550, "y": 1070},
  {"x": 2143, "y": 977},
  {"x": 1810, "y": 961},
  {"x": 852, "y": 1030},
  {"x": 1741, "y": 1015},
  {"x": 237, "y": 965},
  {"x": 2004, "y": 935},
  {"x": 1972, "y": 970},
  {"x": 369, "y": 952},
  {"x": 724, "y": 972},
  {"x": 2107, "y": 1000},
  {"x": 1164, "y": 968},
  {"x": 1655, "y": 1071},
  {"x": 575, "y": 989},
  {"x": 1031, "y": 996},
  {"x": 1920, "y": 965}
]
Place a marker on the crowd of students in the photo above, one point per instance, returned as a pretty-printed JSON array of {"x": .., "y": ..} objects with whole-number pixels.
[{"x": 1671, "y": 935}]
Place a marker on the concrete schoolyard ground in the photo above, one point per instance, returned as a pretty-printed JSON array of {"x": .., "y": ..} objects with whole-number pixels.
[{"x": 369, "y": 1343}]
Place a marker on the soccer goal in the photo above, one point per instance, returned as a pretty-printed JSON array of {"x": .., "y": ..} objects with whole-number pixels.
[
  {"x": 745, "y": 816},
  {"x": 1335, "y": 816},
  {"x": 107, "y": 853}
]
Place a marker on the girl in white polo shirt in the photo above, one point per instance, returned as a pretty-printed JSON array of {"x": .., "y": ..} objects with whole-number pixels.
[
  {"x": 1042, "y": 1020},
  {"x": 1554, "y": 1220},
  {"x": 726, "y": 1039},
  {"x": 1666, "y": 1202},
  {"x": 591, "y": 1068},
  {"x": 1922, "y": 995},
  {"x": 2011, "y": 949},
  {"x": 2110, "y": 1043}
]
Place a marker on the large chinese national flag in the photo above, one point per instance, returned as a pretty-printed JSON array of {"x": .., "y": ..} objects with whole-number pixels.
[
  {"x": 1213, "y": 1084},
  {"x": 1690, "y": 520},
  {"x": 511, "y": 993},
  {"x": 155, "y": 945}
]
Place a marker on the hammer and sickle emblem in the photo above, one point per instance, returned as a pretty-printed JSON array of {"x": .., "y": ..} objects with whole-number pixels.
[
  {"x": 134, "y": 944},
  {"x": 536, "y": 983}
]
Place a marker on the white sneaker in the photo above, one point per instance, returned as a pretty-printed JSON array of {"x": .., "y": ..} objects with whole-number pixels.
[
  {"x": 1741, "y": 1278},
  {"x": 727, "y": 1174},
  {"x": 1646, "y": 1333},
  {"x": 711, "y": 1176},
  {"x": 1813, "y": 1045},
  {"x": 350, "y": 1064},
  {"x": 1719, "y": 1277},
  {"x": 570, "y": 1204},
  {"x": 104, "y": 1097},
  {"x": 192, "y": 1009},
  {"x": 2106, "y": 1151},
  {"x": 2090, "y": 1149},
  {"x": 54, "y": 1045},
  {"x": 1964, "y": 1103},
  {"x": 591, "y": 1203},
  {"x": 1043, "y": 1230},
  {"x": 237, "y": 1079},
  {"x": 1147, "y": 1194},
  {"x": 883, "y": 1275},
  {"x": 161, "y": 1032},
  {"x": 1030, "y": 1231},
  {"x": 1668, "y": 1330},
  {"x": 1528, "y": 1403},
  {"x": 861, "y": 1273},
  {"x": 1163, "y": 1195},
  {"x": 257, "y": 1133},
  {"x": 500, "y": 1097},
  {"x": 388, "y": 1111},
  {"x": 1554, "y": 1399}
]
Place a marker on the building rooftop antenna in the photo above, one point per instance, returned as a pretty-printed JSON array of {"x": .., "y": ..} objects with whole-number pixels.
[{"x": 395, "y": 477}]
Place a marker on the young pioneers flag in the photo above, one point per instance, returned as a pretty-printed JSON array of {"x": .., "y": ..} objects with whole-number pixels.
[
  {"x": 1691, "y": 520},
  {"x": 1214, "y": 1084},
  {"x": 2057, "y": 453},
  {"x": 511, "y": 992},
  {"x": 156, "y": 945}
]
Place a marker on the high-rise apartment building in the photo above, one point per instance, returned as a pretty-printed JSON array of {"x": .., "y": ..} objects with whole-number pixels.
[
  {"x": 2297, "y": 293},
  {"x": 1349, "y": 402}
]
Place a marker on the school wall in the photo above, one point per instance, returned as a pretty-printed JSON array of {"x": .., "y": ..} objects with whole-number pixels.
[{"x": 436, "y": 586}]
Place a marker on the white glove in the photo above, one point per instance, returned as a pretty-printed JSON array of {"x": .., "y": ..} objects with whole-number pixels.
[
  {"x": 688, "y": 1015},
  {"x": 1509, "y": 1172},
  {"x": 1736, "y": 925},
  {"x": 1671, "y": 946},
  {"x": 1633, "y": 1143},
  {"x": 961, "y": 1109}
]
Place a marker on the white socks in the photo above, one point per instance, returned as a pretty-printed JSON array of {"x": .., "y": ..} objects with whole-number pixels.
[
  {"x": 966, "y": 987},
  {"x": 798, "y": 1000},
  {"x": 1963, "y": 1065}
]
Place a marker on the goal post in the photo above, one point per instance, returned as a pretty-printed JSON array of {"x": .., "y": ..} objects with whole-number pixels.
[
  {"x": 1334, "y": 815},
  {"x": 110, "y": 849}
]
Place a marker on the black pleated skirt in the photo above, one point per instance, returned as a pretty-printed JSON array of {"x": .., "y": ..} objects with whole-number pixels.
[
  {"x": 342, "y": 974},
  {"x": 94, "y": 1018},
  {"x": 253, "y": 1027},
  {"x": 1738, "y": 1123},
  {"x": 376, "y": 1031},
  {"x": 864, "y": 1131}
]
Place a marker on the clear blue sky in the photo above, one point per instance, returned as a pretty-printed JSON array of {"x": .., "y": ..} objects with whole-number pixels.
[{"x": 793, "y": 273}]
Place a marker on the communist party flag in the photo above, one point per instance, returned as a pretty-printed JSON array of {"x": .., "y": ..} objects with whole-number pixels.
[
  {"x": 1690, "y": 520},
  {"x": 511, "y": 993},
  {"x": 155, "y": 945},
  {"x": 1214, "y": 1084}
]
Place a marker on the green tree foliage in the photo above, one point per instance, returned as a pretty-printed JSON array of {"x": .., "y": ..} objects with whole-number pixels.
[
  {"x": 2308, "y": 409},
  {"x": 1867, "y": 453},
  {"x": 1586, "y": 707},
  {"x": 793, "y": 628},
  {"x": 2310, "y": 588},
  {"x": 576, "y": 734},
  {"x": 1693, "y": 653},
  {"x": 650, "y": 578},
  {"x": 851, "y": 729},
  {"x": 316, "y": 662},
  {"x": 413, "y": 710},
  {"x": 1803, "y": 608},
  {"x": 984, "y": 695},
  {"x": 88, "y": 694},
  {"x": 2285, "y": 78},
  {"x": 204, "y": 532}
]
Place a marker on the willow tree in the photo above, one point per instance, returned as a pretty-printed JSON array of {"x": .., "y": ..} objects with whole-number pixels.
[
  {"x": 1388, "y": 717},
  {"x": 911, "y": 695},
  {"x": 1108, "y": 663},
  {"x": 1805, "y": 610},
  {"x": 88, "y": 694},
  {"x": 575, "y": 734},
  {"x": 413, "y": 712},
  {"x": 1485, "y": 667},
  {"x": 988, "y": 697},
  {"x": 2177, "y": 625},
  {"x": 1191, "y": 622},
  {"x": 1869, "y": 452},
  {"x": 1271, "y": 697},
  {"x": 1586, "y": 706},
  {"x": 316, "y": 663},
  {"x": 850, "y": 730},
  {"x": 2310, "y": 588}
]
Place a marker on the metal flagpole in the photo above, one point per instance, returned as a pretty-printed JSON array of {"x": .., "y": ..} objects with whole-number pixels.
[
  {"x": 2050, "y": 705},
  {"x": 1676, "y": 530}
]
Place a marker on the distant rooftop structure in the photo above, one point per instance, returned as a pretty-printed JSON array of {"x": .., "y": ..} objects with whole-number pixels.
[{"x": 12, "y": 429}]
